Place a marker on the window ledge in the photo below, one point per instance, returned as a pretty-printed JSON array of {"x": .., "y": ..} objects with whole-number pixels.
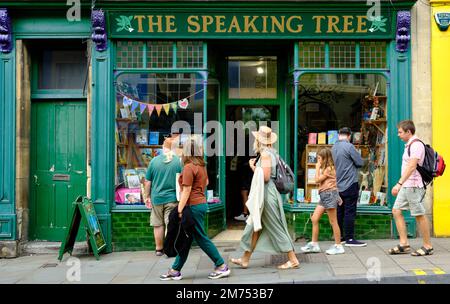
[{"x": 360, "y": 209}]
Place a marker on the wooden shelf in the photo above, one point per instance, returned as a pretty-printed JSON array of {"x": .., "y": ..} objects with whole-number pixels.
[
  {"x": 310, "y": 164},
  {"x": 375, "y": 121},
  {"x": 149, "y": 146}
]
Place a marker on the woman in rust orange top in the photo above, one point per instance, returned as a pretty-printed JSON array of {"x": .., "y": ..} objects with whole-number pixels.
[{"x": 193, "y": 181}]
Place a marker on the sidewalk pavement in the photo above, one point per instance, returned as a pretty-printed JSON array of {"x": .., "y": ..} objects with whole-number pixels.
[{"x": 355, "y": 266}]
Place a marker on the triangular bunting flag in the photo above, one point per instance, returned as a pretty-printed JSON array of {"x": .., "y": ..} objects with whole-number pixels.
[
  {"x": 175, "y": 106},
  {"x": 158, "y": 109},
  {"x": 143, "y": 107},
  {"x": 125, "y": 101},
  {"x": 134, "y": 106},
  {"x": 150, "y": 109},
  {"x": 166, "y": 108}
]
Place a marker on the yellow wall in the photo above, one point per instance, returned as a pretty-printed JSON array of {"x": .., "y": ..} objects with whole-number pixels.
[{"x": 440, "y": 65}]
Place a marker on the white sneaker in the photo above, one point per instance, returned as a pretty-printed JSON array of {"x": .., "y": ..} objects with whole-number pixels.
[
  {"x": 335, "y": 249},
  {"x": 310, "y": 248},
  {"x": 241, "y": 217}
]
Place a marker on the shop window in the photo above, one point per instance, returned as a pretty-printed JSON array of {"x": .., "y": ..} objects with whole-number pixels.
[
  {"x": 159, "y": 54},
  {"x": 373, "y": 55},
  {"x": 252, "y": 77},
  {"x": 312, "y": 54},
  {"x": 146, "y": 107},
  {"x": 130, "y": 54},
  {"x": 328, "y": 102},
  {"x": 189, "y": 54},
  {"x": 342, "y": 54},
  {"x": 62, "y": 69}
]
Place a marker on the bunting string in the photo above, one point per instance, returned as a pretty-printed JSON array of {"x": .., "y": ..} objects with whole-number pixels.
[{"x": 166, "y": 107}]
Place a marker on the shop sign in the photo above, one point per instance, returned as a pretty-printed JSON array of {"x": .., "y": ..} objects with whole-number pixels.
[
  {"x": 247, "y": 25},
  {"x": 442, "y": 20}
]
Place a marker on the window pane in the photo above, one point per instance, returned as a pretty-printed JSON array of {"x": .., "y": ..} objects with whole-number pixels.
[
  {"x": 328, "y": 102},
  {"x": 311, "y": 54},
  {"x": 61, "y": 69},
  {"x": 252, "y": 77},
  {"x": 130, "y": 54},
  {"x": 139, "y": 132},
  {"x": 159, "y": 54},
  {"x": 342, "y": 54},
  {"x": 373, "y": 54},
  {"x": 190, "y": 54}
]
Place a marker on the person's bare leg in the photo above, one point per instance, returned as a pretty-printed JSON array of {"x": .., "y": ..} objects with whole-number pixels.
[
  {"x": 244, "y": 194},
  {"x": 292, "y": 257},
  {"x": 244, "y": 260},
  {"x": 159, "y": 237},
  {"x": 401, "y": 226},
  {"x": 318, "y": 212},
  {"x": 332, "y": 217},
  {"x": 424, "y": 228}
]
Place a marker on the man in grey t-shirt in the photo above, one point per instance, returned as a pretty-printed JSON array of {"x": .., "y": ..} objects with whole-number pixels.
[{"x": 347, "y": 161}]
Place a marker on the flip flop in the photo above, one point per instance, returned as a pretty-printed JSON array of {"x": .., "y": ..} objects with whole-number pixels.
[{"x": 289, "y": 265}]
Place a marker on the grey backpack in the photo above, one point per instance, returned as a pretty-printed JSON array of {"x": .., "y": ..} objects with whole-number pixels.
[{"x": 284, "y": 179}]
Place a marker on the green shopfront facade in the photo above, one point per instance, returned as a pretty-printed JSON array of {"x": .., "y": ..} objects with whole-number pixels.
[{"x": 305, "y": 64}]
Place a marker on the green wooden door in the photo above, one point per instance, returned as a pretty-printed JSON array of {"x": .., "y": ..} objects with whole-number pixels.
[{"x": 58, "y": 166}]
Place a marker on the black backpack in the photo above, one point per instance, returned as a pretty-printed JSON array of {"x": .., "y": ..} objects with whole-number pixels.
[
  {"x": 284, "y": 179},
  {"x": 433, "y": 164}
]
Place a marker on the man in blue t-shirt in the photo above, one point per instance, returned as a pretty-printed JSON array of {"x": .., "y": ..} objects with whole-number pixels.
[{"x": 160, "y": 191}]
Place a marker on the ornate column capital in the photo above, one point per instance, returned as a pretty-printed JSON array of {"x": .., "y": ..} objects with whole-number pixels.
[
  {"x": 5, "y": 31},
  {"x": 99, "y": 36},
  {"x": 403, "y": 34}
]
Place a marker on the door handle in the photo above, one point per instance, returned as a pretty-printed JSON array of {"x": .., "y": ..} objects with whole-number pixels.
[{"x": 36, "y": 180}]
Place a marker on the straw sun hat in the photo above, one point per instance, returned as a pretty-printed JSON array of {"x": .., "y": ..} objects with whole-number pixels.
[{"x": 265, "y": 135}]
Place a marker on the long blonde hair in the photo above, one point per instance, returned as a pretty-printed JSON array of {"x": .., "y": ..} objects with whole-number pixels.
[{"x": 193, "y": 151}]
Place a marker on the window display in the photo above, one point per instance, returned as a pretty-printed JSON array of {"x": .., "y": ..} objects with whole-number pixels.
[
  {"x": 147, "y": 105},
  {"x": 328, "y": 102}
]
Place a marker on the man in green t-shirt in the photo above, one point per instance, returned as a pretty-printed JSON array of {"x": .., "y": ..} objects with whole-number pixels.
[{"x": 160, "y": 191}]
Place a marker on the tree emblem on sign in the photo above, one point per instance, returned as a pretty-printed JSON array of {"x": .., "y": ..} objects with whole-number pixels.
[
  {"x": 124, "y": 23},
  {"x": 378, "y": 24}
]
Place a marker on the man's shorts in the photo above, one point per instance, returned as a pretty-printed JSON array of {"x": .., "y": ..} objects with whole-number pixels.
[
  {"x": 329, "y": 199},
  {"x": 160, "y": 214},
  {"x": 410, "y": 199}
]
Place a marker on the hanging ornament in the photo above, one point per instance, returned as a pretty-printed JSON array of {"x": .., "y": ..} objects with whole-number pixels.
[
  {"x": 150, "y": 109},
  {"x": 166, "y": 108},
  {"x": 158, "y": 109},
  {"x": 174, "y": 106},
  {"x": 183, "y": 103}
]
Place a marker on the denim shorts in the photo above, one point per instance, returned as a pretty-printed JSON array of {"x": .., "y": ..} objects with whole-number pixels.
[{"x": 329, "y": 199}]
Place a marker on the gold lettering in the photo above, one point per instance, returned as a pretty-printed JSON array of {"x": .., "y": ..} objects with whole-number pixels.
[
  {"x": 299, "y": 26},
  {"x": 318, "y": 23},
  {"x": 151, "y": 23},
  {"x": 278, "y": 24},
  {"x": 248, "y": 24},
  {"x": 220, "y": 23},
  {"x": 264, "y": 24},
  {"x": 139, "y": 18},
  {"x": 193, "y": 21},
  {"x": 361, "y": 24},
  {"x": 234, "y": 24},
  {"x": 170, "y": 24},
  {"x": 332, "y": 24},
  {"x": 207, "y": 20},
  {"x": 348, "y": 22}
]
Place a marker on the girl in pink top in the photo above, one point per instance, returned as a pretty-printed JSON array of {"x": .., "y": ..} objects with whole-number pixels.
[{"x": 329, "y": 199}]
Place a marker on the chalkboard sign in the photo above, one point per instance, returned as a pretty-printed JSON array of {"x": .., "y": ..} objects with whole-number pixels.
[{"x": 83, "y": 210}]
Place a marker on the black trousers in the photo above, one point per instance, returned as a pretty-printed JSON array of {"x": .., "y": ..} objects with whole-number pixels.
[{"x": 346, "y": 213}]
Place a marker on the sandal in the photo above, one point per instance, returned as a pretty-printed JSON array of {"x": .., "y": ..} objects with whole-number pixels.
[
  {"x": 289, "y": 265},
  {"x": 399, "y": 249},
  {"x": 422, "y": 251},
  {"x": 239, "y": 262},
  {"x": 159, "y": 252}
]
